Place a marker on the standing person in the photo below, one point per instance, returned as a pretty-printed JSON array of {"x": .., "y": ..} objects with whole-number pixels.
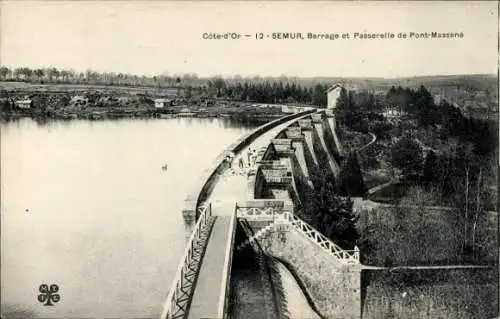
[
  {"x": 241, "y": 163},
  {"x": 249, "y": 154},
  {"x": 229, "y": 159},
  {"x": 254, "y": 156}
]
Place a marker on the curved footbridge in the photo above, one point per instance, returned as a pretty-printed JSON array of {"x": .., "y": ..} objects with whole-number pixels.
[{"x": 261, "y": 198}]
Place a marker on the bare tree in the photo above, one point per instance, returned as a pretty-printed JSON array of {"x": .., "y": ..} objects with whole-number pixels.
[
  {"x": 5, "y": 72},
  {"x": 18, "y": 72},
  {"x": 39, "y": 73},
  {"x": 53, "y": 73}
]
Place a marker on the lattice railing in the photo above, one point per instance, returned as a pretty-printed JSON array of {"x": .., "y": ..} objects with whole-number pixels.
[
  {"x": 255, "y": 237},
  {"x": 179, "y": 297},
  {"x": 348, "y": 256},
  {"x": 279, "y": 215},
  {"x": 244, "y": 212}
]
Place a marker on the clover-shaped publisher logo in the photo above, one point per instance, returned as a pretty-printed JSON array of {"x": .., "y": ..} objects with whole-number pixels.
[{"x": 48, "y": 295}]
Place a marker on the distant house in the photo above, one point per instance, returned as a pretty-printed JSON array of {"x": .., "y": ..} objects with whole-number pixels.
[
  {"x": 392, "y": 113},
  {"x": 123, "y": 100},
  {"x": 79, "y": 100},
  {"x": 288, "y": 109},
  {"x": 380, "y": 94},
  {"x": 333, "y": 93},
  {"x": 161, "y": 103},
  {"x": 438, "y": 98},
  {"x": 104, "y": 100},
  {"x": 24, "y": 104}
]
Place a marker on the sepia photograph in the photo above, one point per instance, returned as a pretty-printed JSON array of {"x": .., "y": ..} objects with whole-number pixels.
[{"x": 249, "y": 159}]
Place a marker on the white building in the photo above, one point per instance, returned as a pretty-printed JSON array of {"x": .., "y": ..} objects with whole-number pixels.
[
  {"x": 79, "y": 100},
  {"x": 393, "y": 113},
  {"x": 24, "y": 104},
  {"x": 333, "y": 94},
  {"x": 289, "y": 109},
  {"x": 161, "y": 103}
]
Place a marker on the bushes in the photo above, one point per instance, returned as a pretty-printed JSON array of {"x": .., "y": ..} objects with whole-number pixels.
[
  {"x": 462, "y": 293},
  {"x": 410, "y": 236},
  {"x": 381, "y": 129},
  {"x": 327, "y": 212},
  {"x": 351, "y": 179},
  {"x": 407, "y": 155}
]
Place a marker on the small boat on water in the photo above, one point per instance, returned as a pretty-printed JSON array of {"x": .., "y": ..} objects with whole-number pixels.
[{"x": 164, "y": 167}]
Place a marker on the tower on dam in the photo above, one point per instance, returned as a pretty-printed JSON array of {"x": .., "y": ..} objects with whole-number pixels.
[{"x": 333, "y": 93}]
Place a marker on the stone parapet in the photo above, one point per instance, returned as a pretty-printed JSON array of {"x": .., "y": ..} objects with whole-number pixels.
[
  {"x": 305, "y": 124},
  {"x": 317, "y": 117},
  {"x": 209, "y": 177},
  {"x": 294, "y": 133}
]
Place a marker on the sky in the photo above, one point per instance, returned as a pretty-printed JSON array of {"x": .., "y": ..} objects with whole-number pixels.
[{"x": 157, "y": 37}]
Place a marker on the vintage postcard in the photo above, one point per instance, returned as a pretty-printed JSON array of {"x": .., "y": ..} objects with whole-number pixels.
[{"x": 249, "y": 160}]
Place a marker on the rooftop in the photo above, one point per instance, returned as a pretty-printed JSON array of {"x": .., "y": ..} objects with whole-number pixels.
[
  {"x": 162, "y": 100},
  {"x": 333, "y": 87}
]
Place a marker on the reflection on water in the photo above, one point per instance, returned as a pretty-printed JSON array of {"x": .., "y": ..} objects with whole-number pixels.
[{"x": 86, "y": 205}]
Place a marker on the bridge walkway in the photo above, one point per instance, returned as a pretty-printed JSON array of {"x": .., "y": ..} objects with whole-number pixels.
[{"x": 210, "y": 292}]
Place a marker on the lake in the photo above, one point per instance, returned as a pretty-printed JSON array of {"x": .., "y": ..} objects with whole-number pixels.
[{"x": 85, "y": 205}]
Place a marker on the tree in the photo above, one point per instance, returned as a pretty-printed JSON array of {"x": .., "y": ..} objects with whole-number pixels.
[
  {"x": 65, "y": 75},
  {"x": 343, "y": 101},
  {"x": 219, "y": 84},
  {"x": 319, "y": 96},
  {"x": 27, "y": 73},
  {"x": 189, "y": 92},
  {"x": 4, "y": 72},
  {"x": 329, "y": 213},
  {"x": 406, "y": 155},
  {"x": 350, "y": 178},
  {"x": 18, "y": 72},
  {"x": 39, "y": 73},
  {"x": 89, "y": 74},
  {"x": 430, "y": 166},
  {"x": 53, "y": 73}
]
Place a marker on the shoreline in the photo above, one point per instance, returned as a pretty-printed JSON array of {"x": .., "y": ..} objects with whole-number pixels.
[{"x": 141, "y": 114}]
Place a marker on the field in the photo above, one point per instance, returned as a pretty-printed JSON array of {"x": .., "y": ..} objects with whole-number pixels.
[{"x": 61, "y": 87}]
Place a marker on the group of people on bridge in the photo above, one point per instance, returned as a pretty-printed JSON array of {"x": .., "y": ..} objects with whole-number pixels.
[{"x": 245, "y": 161}]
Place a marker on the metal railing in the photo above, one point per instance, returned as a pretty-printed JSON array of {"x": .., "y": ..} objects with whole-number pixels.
[
  {"x": 348, "y": 256},
  {"x": 179, "y": 296},
  {"x": 228, "y": 261},
  {"x": 245, "y": 212},
  {"x": 250, "y": 240},
  {"x": 278, "y": 214}
]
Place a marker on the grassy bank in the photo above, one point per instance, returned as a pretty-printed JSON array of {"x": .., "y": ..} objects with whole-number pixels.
[
  {"x": 397, "y": 236},
  {"x": 465, "y": 293}
]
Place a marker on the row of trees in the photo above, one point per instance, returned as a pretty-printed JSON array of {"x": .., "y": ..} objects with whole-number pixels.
[
  {"x": 462, "y": 232},
  {"x": 275, "y": 90},
  {"x": 419, "y": 106},
  {"x": 456, "y": 177},
  {"x": 464, "y": 180},
  {"x": 460, "y": 176},
  {"x": 54, "y": 75}
]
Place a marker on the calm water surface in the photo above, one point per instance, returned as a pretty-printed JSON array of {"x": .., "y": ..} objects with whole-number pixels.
[{"x": 85, "y": 205}]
